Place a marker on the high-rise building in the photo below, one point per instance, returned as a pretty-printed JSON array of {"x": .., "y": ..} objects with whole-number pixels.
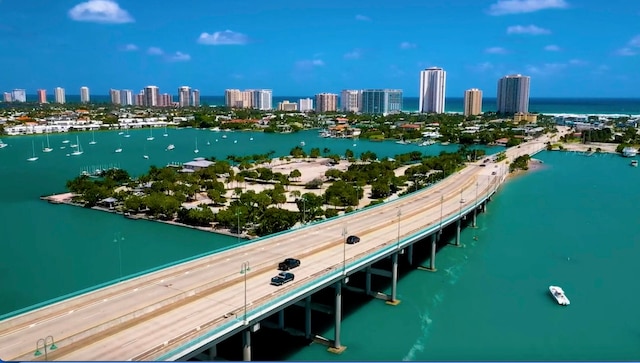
[
  {"x": 6, "y": 97},
  {"x": 42, "y": 96},
  {"x": 114, "y": 94},
  {"x": 381, "y": 101},
  {"x": 126, "y": 97},
  {"x": 165, "y": 100},
  {"x": 195, "y": 98},
  {"x": 59, "y": 95},
  {"x": 305, "y": 104},
  {"x": 84, "y": 94},
  {"x": 472, "y": 102},
  {"x": 262, "y": 99},
  {"x": 184, "y": 96},
  {"x": 19, "y": 95},
  {"x": 287, "y": 106},
  {"x": 432, "y": 90},
  {"x": 140, "y": 100},
  {"x": 326, "y": 102},
  {"x": 350, "y": 100},
  {"x": 151, "y": 96},
  {"x": 234, "y": 98},
  {"x": 513, "y": 94}
]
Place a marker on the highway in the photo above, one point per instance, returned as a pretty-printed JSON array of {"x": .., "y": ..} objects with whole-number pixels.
[{"x": 145, "y": 317}]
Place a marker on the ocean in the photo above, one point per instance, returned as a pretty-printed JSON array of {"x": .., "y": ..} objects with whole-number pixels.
[
  {"x": 594, "y": 106},
  {"x": 571, "y": 223}
]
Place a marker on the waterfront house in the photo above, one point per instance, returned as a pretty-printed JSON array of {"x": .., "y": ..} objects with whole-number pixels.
[
  {"x": 629, "y": 152},
  {"x": 195, "y": 165}
]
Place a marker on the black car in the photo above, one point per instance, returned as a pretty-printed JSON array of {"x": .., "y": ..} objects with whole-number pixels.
[
  {"x": 353, "y": 240},
  {"x": 288, "y": 264},
  {"x": 282, "y": 278}
]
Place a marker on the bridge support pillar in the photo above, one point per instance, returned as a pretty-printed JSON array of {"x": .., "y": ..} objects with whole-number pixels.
[
  {"x": 458, "y": 222},
  {"x": 475, "y": 218},
  {"x": 213, "y": 352},
  {"x": 432, "y": 258},
  {"x": 410, "y": 254},
  {"x": 367, "y": 281},
  {"x": 307, "y": 317},
  {"x": 394, "y": 280},
  {"x": 484, "y": 206},
  {"x": 281, "y": 319},
  {"x": 246, "y": 345},
  {"x": 336, "y": 347}
]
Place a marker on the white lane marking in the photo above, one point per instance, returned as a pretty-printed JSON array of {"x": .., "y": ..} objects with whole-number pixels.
[
  {"x": 70, "y": 311},
  {"x": 127, "y": 343},
  {"x": 32, "y": 325}
]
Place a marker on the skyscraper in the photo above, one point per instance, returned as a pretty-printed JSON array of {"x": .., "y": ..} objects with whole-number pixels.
[
  {"x": 84, "y": 94},
  {"x": 472, "y": 102},
  {"x": 381, "y": 101},
  {"x": 151, "y": 96},
  {"x": 184, "y": 96},
  {"x": 305, "y": 104},
  {"x": 126, "y": 97},
  {"x": 19, "y": 95},
  {"x": 262, "y": 99},
  {"x": 114, "y": 94},
  {"x": 195, "y": 98},
  {"x": 42, "y": 96},
  {"x": 432, "y": 90},
  {"x": 513, "y": 94},
  {"x": 350, "y": 100},
  {"x": 59, "y": 95},
  {"x": 326, "y": 102}
]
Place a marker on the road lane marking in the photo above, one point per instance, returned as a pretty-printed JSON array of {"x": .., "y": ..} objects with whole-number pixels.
[{"x": 129, "y": 342}]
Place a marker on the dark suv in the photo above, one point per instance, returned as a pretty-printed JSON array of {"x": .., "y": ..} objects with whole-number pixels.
[
  {"x": 288, "y": 264},
  {"x": 353, "y": 240},
  {"x": 282, "y": 278}
]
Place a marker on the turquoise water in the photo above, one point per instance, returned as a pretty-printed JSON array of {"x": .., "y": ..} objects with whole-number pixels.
[
  {"x": 573, "y": 224},
  {"x": 53, "y": 250}
]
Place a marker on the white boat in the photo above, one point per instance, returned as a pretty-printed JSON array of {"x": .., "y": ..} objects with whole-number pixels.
[
  {"x": 150, "y": 138},
  {"x": 3, "y": 145},
  {"x": 33, "y": 150},
  {"x": 251, "y": 139},
  {"x": 145, "y": 156},
  {"x": 171, "y": 147},
  {"x": 127, "y": 134},
  {"x": 558, "y": 294},
  {"x": 302, "y": 143},
  {"x": 208, "y": 143},
  {"x": 47, "y": 149},
  {"x": 119, "y": 149},
  {"x": 196, "y": 149},
  {"x": 121, "y": 133},
  {"x": 78, "y": 150},
  {"x": 634, "y": 162},
  {"x": 65, "y": 141},
  {"x": 165, "y": 131},
  {"x": 224, "y": 136},
  {"x": 93, "y": 138}
]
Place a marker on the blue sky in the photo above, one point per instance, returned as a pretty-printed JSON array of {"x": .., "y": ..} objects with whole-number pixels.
[{"x": 570, "y": 48}]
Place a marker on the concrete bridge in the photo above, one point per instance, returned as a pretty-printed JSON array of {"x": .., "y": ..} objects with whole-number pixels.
[{"x": 185, "y": 310}]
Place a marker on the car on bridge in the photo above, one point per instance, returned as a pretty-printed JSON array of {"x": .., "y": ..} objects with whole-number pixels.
[
  {"x": 351, "y": 240},
  {"x": 282, "y": 278},
  {"x": 288, "y": 264}
]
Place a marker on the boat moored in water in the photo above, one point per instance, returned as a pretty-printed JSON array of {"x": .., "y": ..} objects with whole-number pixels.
[
  {"x": 634, "y": 162},
  {"x": 558, "y": 294}
]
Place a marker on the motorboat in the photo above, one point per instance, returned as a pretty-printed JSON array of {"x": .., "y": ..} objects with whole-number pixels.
[
  {"x": 3, "y": 145},
  {"x": 558, "y": 294},
  {"x": 171, "y": 147},
  {"x": 634, "y": 162}
]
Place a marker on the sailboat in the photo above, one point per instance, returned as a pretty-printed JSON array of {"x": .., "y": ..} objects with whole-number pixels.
[
  {"x": 127, "y": 134},
  {"x": 145, "y": 153},
  {"x": 119, "y": 150},
  {"x": 78, "y": 150},
  {"x": 150, "y": 138},
  {"x": 165, "y": 131},
  {"x": 196, "y": 150},
  {"x": 3, "y": 145},
  {"x": 47, "y": 149},
  {"x": 93, "y": 138},
  {"x": 33, "y": 149}
]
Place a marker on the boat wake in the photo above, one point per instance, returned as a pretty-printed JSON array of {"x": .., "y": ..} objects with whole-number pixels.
[{"x": 425, "y": 328}]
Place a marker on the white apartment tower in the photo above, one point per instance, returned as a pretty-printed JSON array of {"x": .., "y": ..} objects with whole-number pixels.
[
  {"x": 305, "y": 105},
  {"x": 472, "y": 102},
  {"x": 126, "y": 97},
  {"x": 432, "y": 90},
  {"x": 184, "y": 96},
  {"x": 114, "y": 94},
  {"x": 151, "y": 96},
  {"x": 195, "y": 98},
  {"x": 326, "y": 102},
  {"x": 262, "y": 99},
  {"x": 84, "y": 94},
  {"x": 513, "y": 94},
  {"x": 350, "y": 100},
  {"x": 58, "y": 93},
  {"x": 19, "y": 95}
]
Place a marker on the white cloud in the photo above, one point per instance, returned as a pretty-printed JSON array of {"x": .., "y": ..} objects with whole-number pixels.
[
  {"x": 361, "y": 17},
  {"x": 100, "y": 11},
  {"x": 578, "y": 62},
  {"x": 482, "y": 67},
  {"x": 632, "y": 48},
  {"x": 309, "y": 63},
  {"x": 155, "y": 51},
  {"x": 504, "y": 7},
  {"x": 226, "y": 37},
  {"x": 179, "y": 57},
  {"x": 130, "y": 48},
  {"x": 354, "y": 54},
  {"x": 626, "y": 52},
  {"x": 546, "y": 69},
  {"x": 407, "y": 45},
  {"x": 635, "y": 41},
  {"x": 529, "y": 29},
  {"x": 496, "y": 50},
  {"x": 552, "y": 48}
]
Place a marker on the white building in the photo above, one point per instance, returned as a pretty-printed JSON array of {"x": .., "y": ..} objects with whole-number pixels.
[
  {"x": 305, "y": 104},
  {"x": 262, "y": 99},
  {"x": 350, "y": 100},
  {"x": 59, "y": 95},
  {"x": 184, "y": 96},
  {"x": 151, "y": 96},
  {"x": 513, "y": 94},
  {"x": 126, "y": 97},
  {"x": 19, "y": 95},
  {"x": 114, "y": 94},
  {"x": 84, "y": 94},
  {"x": 432, "y": 90}
]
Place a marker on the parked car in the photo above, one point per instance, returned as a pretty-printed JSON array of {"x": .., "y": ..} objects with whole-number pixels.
[
  {"x": 353, "y": 240},
  {"x": 282, "y": 278},
  {"x": 288, "y": 264}
]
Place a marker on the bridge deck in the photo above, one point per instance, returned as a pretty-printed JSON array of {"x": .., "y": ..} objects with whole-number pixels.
[{"x": 148, "y": 316}]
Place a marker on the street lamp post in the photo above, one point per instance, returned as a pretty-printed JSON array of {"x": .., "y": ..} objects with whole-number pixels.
[
  {"x": 344, "y": 251},
  {"x": 238, "y": 226},
  {"x": 441, "y": 206},
  {"x": 44, "y": 347},
  {"x": 399, "y": 215},
  {"x": 304, "y": 210},
  {"x": 244, "y": 269},
  {"x": 461, "y": 201}
]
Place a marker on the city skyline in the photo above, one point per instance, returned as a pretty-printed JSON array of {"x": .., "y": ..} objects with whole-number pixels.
[{"x": 105, "y": 44}]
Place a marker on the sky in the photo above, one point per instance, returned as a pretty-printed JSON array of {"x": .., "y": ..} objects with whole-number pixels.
[{"x": 569, "y": 48}]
